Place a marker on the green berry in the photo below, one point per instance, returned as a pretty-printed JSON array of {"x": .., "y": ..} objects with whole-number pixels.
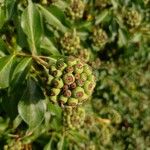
[
  {"x": 67, "y": 93},
  {"x": 72, "y": 101},
  {"x": 55, "y": 91},
  {"x": 68, "y": 78},
  {"x": 78, "y": 92},
  {"x": 83, "y": 76},
  {"x": 63, "y": 99},
  {"x": 58, "y": 83},
  {"x": 61, "y": 65},
  {"x": 53, "y": 99},
  {"x": 88, "y": 87},
  {"x": 78, "y": 68},
  {"x": 87, "y": 70},
  {"x": 57, "y": 73}
]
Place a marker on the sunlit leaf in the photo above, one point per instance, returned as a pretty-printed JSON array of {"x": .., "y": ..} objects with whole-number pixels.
[
  {"x": 21, "y": 71},
  {"x": 52, "y": 19},
  {"x": 5, "y": 67},
  {"x": 31, "y": 23},
  {"x": 31, "y": 106}
]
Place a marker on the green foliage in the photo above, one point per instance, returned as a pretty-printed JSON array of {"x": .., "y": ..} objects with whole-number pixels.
[{"x": 96, "y": 99}]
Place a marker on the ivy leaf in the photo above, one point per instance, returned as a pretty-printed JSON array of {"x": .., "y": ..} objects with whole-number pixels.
[
  {"x": 60, "y": 143},
  {"x": 5, "y": 67},
  {"x": 122, "y": 39},
  {"x": 31, "y": 106},
  {"x": 101, "y": 17},
  {"x": 10, "y": 8},
  {"x": 52, "y": 19},
  {"x": 31, "y": 23},
  {"x": 49, "y": 47},
  {"x": 48, "y": 146},
  {"x": 21, "y": 71},
  {"x": 3, "y": 48},
  {"x": 2, "y": 17}
]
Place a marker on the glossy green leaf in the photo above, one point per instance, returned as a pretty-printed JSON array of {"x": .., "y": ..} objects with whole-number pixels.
[
  {"x": 31, "y": 23},
  {"x": 31, "y": 106},
  {"x": 2, "y": 17},
  {"x": 122, "y": 38},
  {"x": 10, "y": 8},
  {"x": 60, "y": 143},
  {"x": 49, "y": 145},
  {"x": 3, "y": 48},
  {"x": 49, "y": 46},
  {"x": 52, "y": 19},
  {"x": 101, "y": 16},
  {"x": 5, "y": 67},
  {"x": 21, "y": 71}
]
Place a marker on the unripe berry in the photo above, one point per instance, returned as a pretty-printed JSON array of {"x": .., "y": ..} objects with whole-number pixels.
[
  {"x": 57, "y": 73},
  {"x": 89, "y": 86},
  {"x": 61, "y": 65},
  {"x": 78, "y": 92},
  {"x": 87, "y": 69},
  {"x": 53, "y": 99},
  {"x": 68, "y": 78},
  {"x": 72, "y": 101},
  {"x": 78, "y": 68},
  {"x": 67, "y": 93},
  {"x": 58, "y": 83},
  {"x": 63, "y": 99},
  {"x": 55, "y": 91}
]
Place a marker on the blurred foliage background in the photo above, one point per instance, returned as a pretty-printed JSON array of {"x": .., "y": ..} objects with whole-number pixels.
[{"x": 112, "y": 37}]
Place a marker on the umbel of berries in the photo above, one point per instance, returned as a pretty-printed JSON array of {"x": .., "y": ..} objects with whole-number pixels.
[
  {"x": 72, "y": 82},
  {"x": 76, "y": 9},
  {"x": 133, "y": 18},
  {"x": 99, "y": 38},
  {"x": 73, "y": 118},
  {"x": 70, "y": 42},
  {"x": 17, "y": 145}
]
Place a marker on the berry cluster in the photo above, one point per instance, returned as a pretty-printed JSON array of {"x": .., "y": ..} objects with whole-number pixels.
[
  {"x": 76, "y": 9},
  {"x": 133, "y": 18},
  {"x": 70, "y": 42},
  {"x": 99, "y": 38},
  {"x": 72, "y": 82},
  {"x": 73, "y": 118},
  {"x": 17, "y": 145}
]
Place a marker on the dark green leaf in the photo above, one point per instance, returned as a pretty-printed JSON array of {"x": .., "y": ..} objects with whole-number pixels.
[
  {"x": 49, "y": 46},
  {"x": 31, "y": 23},
  {"x": 3, "y": 48},
  {"x": 60, "y": 143},
  {"x": 2, "y": 17},
  {"x": 31, "y": 106},
  {"x": 21, "y": 71},
  {"x": 5, "y": 67},
  {"x": 101, "y": 16},
  {"x": 10, "y": 8},
  {"x": 52, "y": 19}
]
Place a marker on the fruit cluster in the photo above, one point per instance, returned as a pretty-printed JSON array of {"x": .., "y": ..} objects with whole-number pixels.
[
  {"x": 70, "y": 43},
  {"x": 133, "y": 18},
  {"x": 73, "y": 118},
  {"x": 99, "y": 38},
  {"x": 17, "y": 145},
  {"x": 72, "y": 82},
  {"x": 76, "y": 9}
]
